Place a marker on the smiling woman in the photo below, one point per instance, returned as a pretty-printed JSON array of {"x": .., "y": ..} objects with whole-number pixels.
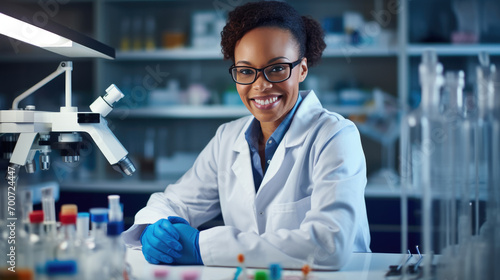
[
  {"x": 289, "y": 180},
  {"x": 267, "y": 100}
]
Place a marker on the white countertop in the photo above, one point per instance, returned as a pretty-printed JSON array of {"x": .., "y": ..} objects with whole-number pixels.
[{"x": 362, "y": 266}]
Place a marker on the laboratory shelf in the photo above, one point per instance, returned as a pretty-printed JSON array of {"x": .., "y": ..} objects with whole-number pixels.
[
  {"x": 214, "y": 54},
  {"x": 360, "y": 51},
  {"x": 216, "y": 111},
  {"x": 169, "y": 54},
  {"x": 454, "y": 50}
]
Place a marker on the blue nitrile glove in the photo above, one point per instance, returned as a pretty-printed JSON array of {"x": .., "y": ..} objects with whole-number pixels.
[
  {"x": 188, "y": 237},
  {"x": 177, "y": 220},
  {"x": 160, "y": 241}
]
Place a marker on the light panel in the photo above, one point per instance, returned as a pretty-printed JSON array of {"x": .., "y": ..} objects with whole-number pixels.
[
  {"x": 31, "y": 34},
  {"x": 49, "y": 35}
]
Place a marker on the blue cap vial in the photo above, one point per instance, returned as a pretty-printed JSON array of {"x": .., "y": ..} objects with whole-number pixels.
[{"x": 99, "y": 215}]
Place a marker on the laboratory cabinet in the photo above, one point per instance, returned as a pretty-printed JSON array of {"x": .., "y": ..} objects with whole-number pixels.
[{"x": 178, "y": 90}]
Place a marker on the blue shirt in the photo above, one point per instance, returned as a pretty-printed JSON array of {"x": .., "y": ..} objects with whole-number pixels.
[{"x": 254, "y": 133}]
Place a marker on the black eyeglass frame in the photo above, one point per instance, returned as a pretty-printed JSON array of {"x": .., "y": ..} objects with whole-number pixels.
[{"x": 291, "y": 64}]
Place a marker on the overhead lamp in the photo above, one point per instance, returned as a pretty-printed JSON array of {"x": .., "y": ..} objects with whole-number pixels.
[{"x": 49, "y": 35}]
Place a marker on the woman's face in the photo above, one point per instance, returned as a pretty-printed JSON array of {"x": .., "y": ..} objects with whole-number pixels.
[{"x": 269, "y": 102}]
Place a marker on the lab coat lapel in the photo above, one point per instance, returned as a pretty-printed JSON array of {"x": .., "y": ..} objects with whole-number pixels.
[
  {"x": 242, "y": 165},
  {"x": 296, "y": 134},
  {"x": 274, "y": 166},
  {"x": 307, "y": 112}
]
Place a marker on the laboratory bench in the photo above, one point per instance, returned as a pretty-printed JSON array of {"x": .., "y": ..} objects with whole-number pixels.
[
  {"x": 382, "y": 202},
  {"x": 361, "y": 266}
]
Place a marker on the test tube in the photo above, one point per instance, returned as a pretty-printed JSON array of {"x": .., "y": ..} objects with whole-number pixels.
[
  {"x": 115, "y": 210},
  {"x": 49, "y": 211},
  {"x": 27, "y": 203},
  {"x": 82, "y": 225},
  {"x": 27, "y": 208}
]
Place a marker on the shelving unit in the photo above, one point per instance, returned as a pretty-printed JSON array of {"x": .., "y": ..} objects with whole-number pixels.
[
  {"x": 392, "y": 67},
  {"x": 359, "y": 62}
]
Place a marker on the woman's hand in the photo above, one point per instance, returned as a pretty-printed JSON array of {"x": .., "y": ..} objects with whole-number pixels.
[
  {"x": 160, "y": 241},
  {"x": 188, "y": 237}
]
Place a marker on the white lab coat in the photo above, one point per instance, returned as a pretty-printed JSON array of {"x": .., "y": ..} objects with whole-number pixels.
[{"x": 310, "y": 203}]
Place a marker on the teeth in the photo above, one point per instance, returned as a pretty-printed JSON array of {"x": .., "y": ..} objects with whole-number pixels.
[{"x": 267, "y": 101}]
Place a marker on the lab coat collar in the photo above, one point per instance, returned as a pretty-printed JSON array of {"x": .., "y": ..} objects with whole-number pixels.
[
  {"x": 241, "y": 144},
  {"x": 309, "y": 110},
  {"x": 242, "y": 166}
]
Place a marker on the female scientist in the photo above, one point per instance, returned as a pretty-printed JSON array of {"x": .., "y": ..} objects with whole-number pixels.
[{"x": 289, "y": 180}]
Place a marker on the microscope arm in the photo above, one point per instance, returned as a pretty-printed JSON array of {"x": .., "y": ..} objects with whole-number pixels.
[
  {"x": 20, "y": 154},
  {"x": 110, "y": 147},
  {"x": 65, "y": 66},
  {"x": 98, "y": 129}
]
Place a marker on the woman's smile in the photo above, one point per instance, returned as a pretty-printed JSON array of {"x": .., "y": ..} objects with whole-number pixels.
[{"x": 266, "y": 102}]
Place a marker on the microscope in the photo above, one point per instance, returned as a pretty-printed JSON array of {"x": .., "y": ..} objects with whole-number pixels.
[{"x": 26, "y": 131}]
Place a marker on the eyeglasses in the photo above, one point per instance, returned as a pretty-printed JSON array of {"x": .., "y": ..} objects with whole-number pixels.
[{"x": 274, "y": 73}]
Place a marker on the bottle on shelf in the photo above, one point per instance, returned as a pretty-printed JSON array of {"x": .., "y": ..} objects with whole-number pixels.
[
  {"x": 125, "y": 34},
  {"x": 137, "y": 43},
  {"x": 150, "y": 28}
]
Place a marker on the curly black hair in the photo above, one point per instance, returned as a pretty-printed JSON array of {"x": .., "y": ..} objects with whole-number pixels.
[{"x": 306, "y": 31}]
